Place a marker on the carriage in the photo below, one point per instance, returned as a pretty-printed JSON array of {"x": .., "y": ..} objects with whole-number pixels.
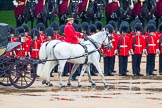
[{"x": 15, "y": 71}]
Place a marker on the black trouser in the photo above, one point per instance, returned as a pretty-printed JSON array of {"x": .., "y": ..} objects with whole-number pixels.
[
  {"x": 150, "y": 64},
  {"x": 136, "y": 61},
  {"x": 108, "y": 65},
  {"x": 123, "y": 61},
  {"x": 160, "y": 64}
]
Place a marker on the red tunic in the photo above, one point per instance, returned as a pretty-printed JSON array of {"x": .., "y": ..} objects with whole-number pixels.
[
  {"x": 39, "y": 7},
  {"x": 63, "y": 7},
  {"x": 160, "y": 44},
  {"x": 27, "y": 44},
  {"x": 42, "y": 38},
  {"x": 20, "y": 8},
  {"x": 110, "y": 53},
  {"x": 137, "y": 9},
  {"x": 20, "y": 51},
  {"x": 111, "y": 8},
  {"x": 124, "y": 45},
  {"x": 35, "y": 49},
  {"x": 56, "y": 36},
  {"x": 71, "y": 35},
  {"x": 138, "y": 44},
  {"x": 151, "y": 44},
  {"x": 11, "y": 53}
]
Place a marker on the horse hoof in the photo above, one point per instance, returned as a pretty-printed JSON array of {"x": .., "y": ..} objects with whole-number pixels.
[
  {"x": 106, "y": 86},
  {"x": 93, "y": 85},
  {"x": 62, "y": 86},
  {"x": 44, "y": 82},
  {"x": 50, "y": 85},
  {"x": 69, "y": 84},
  {"x": 79, "y": 86}
]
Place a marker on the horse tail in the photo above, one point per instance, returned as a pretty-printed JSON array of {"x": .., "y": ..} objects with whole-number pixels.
[{"x": 42, "y": 56}]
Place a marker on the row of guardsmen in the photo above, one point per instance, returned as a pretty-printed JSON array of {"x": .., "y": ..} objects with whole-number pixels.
[{"x": 124, "y": 43}]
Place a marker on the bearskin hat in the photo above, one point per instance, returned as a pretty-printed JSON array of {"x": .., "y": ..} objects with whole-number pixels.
[
  {"x": 20, "y": 31},
  {"x": 55, "y": 26},
  {"x": 124, "y": 27},
  {"x": 40, "y": 26},
  {"x": 138, "y": 27},
  {"x": 99, "y": 25},
  {"x": 34, "y": 32},
  {"x": 75, "y": 26},
  {"x": 80, "y": 28},
  {"x": 113, "y": 23},
  {"x": 49, "y": 31},
  {"x": 109, "y": 28},
  {"x": 61, "y": 30},
  {"x": 26, "y": 27},
  {"x": 85, "y": 26},
  {"x": 151, "y": 28},
  {"x": 11, "y": 30},
  {"x": 92, "y": 28},
  {"x": 160, "y": 27},
  {"x": 152, "y": 22}
]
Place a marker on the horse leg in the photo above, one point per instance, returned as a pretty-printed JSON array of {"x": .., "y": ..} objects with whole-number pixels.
[
  {"x": 74, "y": 68},
  {"x": 60, "y": 70},
  {"x": 97, "y": 64},
  {"x": 81, "y": 74},
  {"x": 89, "y": 76}
]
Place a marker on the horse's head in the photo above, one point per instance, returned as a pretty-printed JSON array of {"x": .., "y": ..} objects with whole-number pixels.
[{"x": 107, "y": 43}]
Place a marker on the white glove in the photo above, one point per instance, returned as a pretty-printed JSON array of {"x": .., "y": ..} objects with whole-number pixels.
[
  {"x": 115, "y": 52},
  {"x": 157, "y": 51},
  {"x": 15, "y": 3},
  {"x": 145, "y": 51}
]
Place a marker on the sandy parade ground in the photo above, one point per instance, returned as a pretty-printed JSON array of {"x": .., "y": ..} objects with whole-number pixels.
[{"x": 124, "y": 92}]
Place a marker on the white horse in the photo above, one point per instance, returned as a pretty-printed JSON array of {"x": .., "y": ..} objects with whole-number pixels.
[{"x": 74, "y": 53}]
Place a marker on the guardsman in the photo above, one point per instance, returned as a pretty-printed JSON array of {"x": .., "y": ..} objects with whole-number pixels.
[
  {"x": 160, "y": 48},
  {"x": 20, "y": 51},
  {"x": 11, "y": 31},
  {"x": 49, "y": 33},
  {"x": 85, "y": 28},
  {"x": 63, "y": 10},
  {"x": 109, "y": 54},
  {"x": 139, "y": 46},
  {"x": 110, "y": 10},
  {"x": 36, "y": 44},
  {"x": 39, "y": 8},
  {"x": 55, "y": 27},
  {"x": 115, "y": 37},
  {"x": 71, "y": 36},
  {"x": 42, "y": 37},
  {"x": 151, "y": 46},
  {"x": 28, "y": 40},
  {"x": 124, "y": 48}
]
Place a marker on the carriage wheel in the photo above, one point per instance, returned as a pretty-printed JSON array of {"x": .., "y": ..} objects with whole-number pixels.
[
  {"x": 4, "y": 79},
  {"x": 22, "y": 74}
]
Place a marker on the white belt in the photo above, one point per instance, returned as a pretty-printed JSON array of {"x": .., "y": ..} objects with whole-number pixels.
[
  {"x": 35, "y": 49},
  {"x": 123, "y": 46},
  {"x": 151, "y": 44},
  {"x": 20, "y": 49},
  {"x": 138, "y": 45}
]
